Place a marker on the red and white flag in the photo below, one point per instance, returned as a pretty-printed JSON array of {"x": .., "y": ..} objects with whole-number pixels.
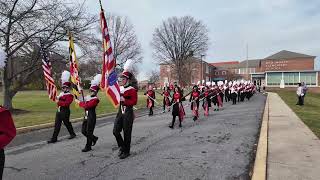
[
  {"x": 109, "y": 81},
  {"x": 47, "y": 71}
]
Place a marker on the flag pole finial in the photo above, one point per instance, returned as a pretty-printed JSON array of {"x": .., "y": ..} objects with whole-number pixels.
[{"x": 100, "y": 5}]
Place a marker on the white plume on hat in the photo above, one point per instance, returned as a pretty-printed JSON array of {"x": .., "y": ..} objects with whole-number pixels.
[
  {"x": 198, "y": 83},
  {"x": 203, "y": 81},
  {"x": 208, "y": 83},
  {"x": 129, "y": 66},
  {"x": 65, "y": 76},
  {"x": 238, "y": 83},
  {"x": 2, "y": 58},
  {"x": 220, "y": 83},
  {"x": 213, "y": 83},
  {"x": 96, "y": 80}
]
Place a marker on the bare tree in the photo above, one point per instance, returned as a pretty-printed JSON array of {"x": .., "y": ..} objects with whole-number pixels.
[
  {"x": 123, "y": 38},
  {"x": 23, "y": 23},
  {"x": 154, "y": 76},
  {"x": 176, "y": 39}
]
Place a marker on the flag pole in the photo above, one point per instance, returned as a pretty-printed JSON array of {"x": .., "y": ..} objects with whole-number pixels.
[{"x": 100, "y": 5}]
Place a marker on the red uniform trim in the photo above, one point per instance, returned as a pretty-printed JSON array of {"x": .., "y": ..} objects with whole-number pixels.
[
  {"x": 7, "y": 128},
  {"x": 90, "y": 103}
]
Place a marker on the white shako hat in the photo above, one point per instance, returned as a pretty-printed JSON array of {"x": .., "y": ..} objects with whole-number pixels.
[
  {"x": 95, "y": 83},
  {"x": 128, "y": 69},
  {"x": 65, "y": 77}
]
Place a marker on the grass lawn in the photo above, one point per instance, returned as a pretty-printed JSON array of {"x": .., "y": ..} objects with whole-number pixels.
[
  {"x": 41, "y": 110},
  {"x": 309, "y": 113}
]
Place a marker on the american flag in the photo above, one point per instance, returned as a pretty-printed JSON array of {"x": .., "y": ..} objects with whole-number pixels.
[
  {"x": 109, "y": 76},
  {"x": 47, "y": 71}
]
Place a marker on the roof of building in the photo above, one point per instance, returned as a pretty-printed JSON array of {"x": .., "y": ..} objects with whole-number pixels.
[
  {"x": 193, "y": 59},
  {"x": 226, "y": 64},
  {"x": 251, "y": 63},
  {"x": 284, "y": 54}
]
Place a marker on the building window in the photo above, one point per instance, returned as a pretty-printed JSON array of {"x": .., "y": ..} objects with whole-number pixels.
[
  {"x": 291, "y": 78},
  {"x": 224, "y": 72},
  {"x": 309, "y": 78},
  {"x": 244, "y": 71},
  {"x": 274, "y": 79},
  {"x": 252, "y": 70},
  {"x": 207, "y": 68},
  {"x": 216, "y": 73}
]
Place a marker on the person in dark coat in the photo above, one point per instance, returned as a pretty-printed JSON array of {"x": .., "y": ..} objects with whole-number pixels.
[
  {"x": 7, "y": 133},
  {"x": 125, "y": 116}
]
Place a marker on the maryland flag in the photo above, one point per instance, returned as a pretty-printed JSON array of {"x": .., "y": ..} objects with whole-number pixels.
[
  {"x": 109, "y": 76},
  {"x": 75, "y": 79}
]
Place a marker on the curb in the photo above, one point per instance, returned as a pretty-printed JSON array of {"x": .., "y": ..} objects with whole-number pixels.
[
  {"x": 27, "y": 129},
  {"x": 260, "y": 164}
]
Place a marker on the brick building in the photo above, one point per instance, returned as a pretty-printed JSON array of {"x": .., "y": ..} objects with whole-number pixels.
[
  {"x": 192, "y": 72},
  {"x": 282, "y": 69}
]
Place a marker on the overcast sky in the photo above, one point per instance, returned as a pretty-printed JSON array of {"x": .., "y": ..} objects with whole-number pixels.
[{"x": 267, "y": 26}]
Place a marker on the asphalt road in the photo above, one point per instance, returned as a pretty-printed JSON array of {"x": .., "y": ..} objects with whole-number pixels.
[{"x": 217, "y": 147}]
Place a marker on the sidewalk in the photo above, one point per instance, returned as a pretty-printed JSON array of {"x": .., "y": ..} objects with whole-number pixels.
[{"x": 293, "y": 150}]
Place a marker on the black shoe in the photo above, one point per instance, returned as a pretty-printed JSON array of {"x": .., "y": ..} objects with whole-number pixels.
[
  {"x": 86, "y": 149},
  {"x": 124, "y": 155},
  {"x": 52, "y": 141},
  {"x": 171, "y": 127},
  {"x": 194, "y": 118},
  {"x": 94, "y": 141},
  {"x": 72, "y": 136},
  {"x": 180, "y": 125}
]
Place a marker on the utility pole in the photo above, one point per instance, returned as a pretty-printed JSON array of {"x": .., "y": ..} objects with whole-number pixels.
[
  {"x": 247, "y": 72},
  {"x": 201, "y": 71}
]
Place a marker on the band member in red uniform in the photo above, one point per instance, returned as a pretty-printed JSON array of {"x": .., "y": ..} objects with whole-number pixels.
[
  {"x": 125, "y": 116},
  {"x": 194, "y": 99},
  {"x": 64, "y": 100},
  {"x": 177, "y": 109},
  {"x": 206, "y": 103},
  {"x": 150, "y": 100},
  {"x": 89, "y": 104},
  {"x": 166, "y": 100},
  {"x": 7, "y": 133}
]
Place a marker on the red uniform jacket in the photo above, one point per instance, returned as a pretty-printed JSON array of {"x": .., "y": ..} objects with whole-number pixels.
[
  {"x": 7, "y": 128},
  {"x": 166, "y": 93},
  {"x": 65, "y": 99},
  {"x": 130, "y": 96},
  {"x": 90, "y": 103},
  {"x": 195, "y": 94},
  {"x": 176, "y": 97}
]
